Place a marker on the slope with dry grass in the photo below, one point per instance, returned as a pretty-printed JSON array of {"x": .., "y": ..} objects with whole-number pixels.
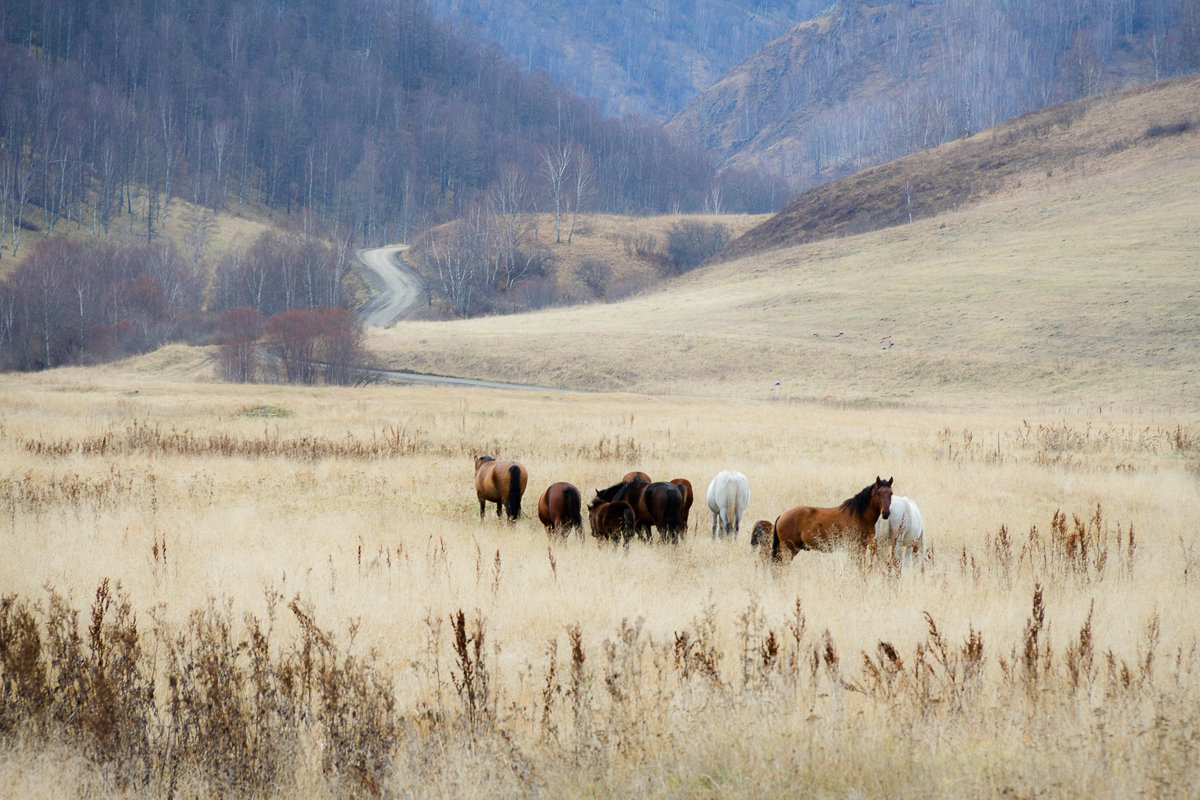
[{"x": 1067, "y": 291}]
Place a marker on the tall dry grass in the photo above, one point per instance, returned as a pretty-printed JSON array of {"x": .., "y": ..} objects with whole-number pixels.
[{"x": 255, "y": 591}]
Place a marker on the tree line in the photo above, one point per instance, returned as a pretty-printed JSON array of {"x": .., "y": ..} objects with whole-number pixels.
[
  {"x": 373, "y": 116},
  {"x": 76, "y": 301}
]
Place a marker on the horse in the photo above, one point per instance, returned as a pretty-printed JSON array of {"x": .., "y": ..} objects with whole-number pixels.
[
  {"x": 761, "y": 535},
  {"x": 636, "y": 475},
  {"x": 727, "y": 496},
  {"x": 685, "y": 506},
  {"x": 613, "y": 522},
  {"x": 559, "y": 508},
  {"x": 809, "y": 528},
  {"x": 903, "y": 530},
  {"x": 654, "y": 505},
  {"x": 500, "y": 482}
]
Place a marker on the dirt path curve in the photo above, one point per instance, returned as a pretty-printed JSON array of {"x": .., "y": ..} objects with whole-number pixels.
[
  {"x": 399, "y": 286},
  {"x": 399, "y": 290}
]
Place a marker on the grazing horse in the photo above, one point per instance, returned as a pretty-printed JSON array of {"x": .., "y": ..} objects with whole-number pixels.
[
  {"x": 612, "y": 522},
  {"x": 727, "y": 496},
  {"x": 686, "y": 498},
  {"x": 500, "y": 482},
  {"x": 809, "y": 528},
  {"x": 559, "y": 508},
  {"x": 654, "y": 505},
  {"x": 903, "y": 530},
  {"x": 760, "y": 537}
]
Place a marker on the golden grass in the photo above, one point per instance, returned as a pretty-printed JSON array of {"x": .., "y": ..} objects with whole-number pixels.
[{"x": 356, "y": 506}]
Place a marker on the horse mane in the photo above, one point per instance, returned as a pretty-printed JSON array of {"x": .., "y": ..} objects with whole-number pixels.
[{"x": 860, "y": 502}]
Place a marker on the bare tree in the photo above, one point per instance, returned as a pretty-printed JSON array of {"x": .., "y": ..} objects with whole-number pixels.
[
  {"x": 508, "y": 203},
  {"x": 556, "y": 163},
  {"x": 584, "y": 185}
]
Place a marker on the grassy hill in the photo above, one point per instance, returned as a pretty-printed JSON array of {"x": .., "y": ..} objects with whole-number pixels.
[{"x": 1070, "y": 278}]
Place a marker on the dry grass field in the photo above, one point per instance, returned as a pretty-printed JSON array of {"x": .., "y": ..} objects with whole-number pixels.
[
  {"x": 246, "y": 591},
  {"x": 265, "y": 590}
]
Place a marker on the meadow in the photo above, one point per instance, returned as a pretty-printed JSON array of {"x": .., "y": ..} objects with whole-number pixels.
[{"x": 229, "y": 590}]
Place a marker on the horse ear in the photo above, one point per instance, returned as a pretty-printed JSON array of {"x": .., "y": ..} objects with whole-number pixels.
[{"x": 889, "y": 480}]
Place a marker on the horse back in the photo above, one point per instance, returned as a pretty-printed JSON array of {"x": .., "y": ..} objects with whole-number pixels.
[{"x": 812, "y": 527}]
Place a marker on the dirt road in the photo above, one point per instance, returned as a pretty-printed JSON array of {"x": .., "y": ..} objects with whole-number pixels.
[{"x": 399, "y": 286}]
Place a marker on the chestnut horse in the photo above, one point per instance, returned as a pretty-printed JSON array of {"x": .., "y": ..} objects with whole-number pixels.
[
  {"x": 500, "y": 482},
  {"x": 686, "y": 498},
  {"x": 654, "y": 505},
  {"x": 809, "y": 528},
  {"x": 612, "y": 522},
  {"x": 559, "y": 508}
]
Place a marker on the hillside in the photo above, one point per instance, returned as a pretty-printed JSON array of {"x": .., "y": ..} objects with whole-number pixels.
[
  {"x": 864, "y": 83},
  {"x": 1071, "y": 282},
  {"x": 1041, "y": 149},
  {"x": 631, "y": 57}
]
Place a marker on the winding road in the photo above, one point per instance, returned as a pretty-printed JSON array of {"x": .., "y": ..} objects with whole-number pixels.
[{"x": 399, "y": 286}]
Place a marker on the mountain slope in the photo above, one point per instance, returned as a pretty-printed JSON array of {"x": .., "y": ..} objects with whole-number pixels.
[
  {"x": 1060, "y": 287},
  {"x": 1063, "y": 142},
  {"x": 864, "y": 83},
  {"x": 632, "y": 57}
]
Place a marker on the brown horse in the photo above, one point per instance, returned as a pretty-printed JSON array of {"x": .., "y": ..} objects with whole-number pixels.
[
  {"x": 612, "y": 522},
  {"x": 654, "y": 505},
  {"x": 636, "y": 475},
  {"x": 559, "y": 508},
  {"x": 685, "y": 507},
  {"x": 809, "y": 528},
  {"x": 764, "y": 531},
  {"x": 500, "y": 482}
]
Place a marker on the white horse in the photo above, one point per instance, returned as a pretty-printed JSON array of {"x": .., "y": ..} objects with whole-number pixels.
[
  {"x": 904, "y": 530},
  {"x": 727, "y": 496}
]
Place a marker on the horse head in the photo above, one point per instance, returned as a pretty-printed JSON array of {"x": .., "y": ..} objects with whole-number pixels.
[{"x": 883, "y": 490}]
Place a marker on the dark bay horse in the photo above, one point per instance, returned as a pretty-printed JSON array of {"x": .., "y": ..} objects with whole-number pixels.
[
  {"x": 809, "y": 528},
  {"x": 559, "y": 508},
  {"x": 500, "y": 482},
  {"x": 612, "y": 522},
  {"x": 687, "y": 496},
  {"x": 655, "y": 505}
]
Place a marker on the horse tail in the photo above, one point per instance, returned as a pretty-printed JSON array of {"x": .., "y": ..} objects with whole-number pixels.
[
  {"x": 674, "y": 517},
  {"x": 775, "y": 540},
  {"x": 514, "y": 491},
  {"x": 573, "y": 503}
]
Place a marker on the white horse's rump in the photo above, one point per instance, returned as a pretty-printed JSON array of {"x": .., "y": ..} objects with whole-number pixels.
[
  {"x": 903, "y": 532},
  {"x": 728, "y": 495}
]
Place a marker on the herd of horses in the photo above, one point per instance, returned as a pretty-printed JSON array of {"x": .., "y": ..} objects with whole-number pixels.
[{"x": 636, "y": 507}]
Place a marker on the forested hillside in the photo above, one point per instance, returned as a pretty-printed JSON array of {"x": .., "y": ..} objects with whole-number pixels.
[
  {"x": 646, "y": 58},
  {"x": 356, "y": 122},
  {"x": 866, "y": 82}
]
